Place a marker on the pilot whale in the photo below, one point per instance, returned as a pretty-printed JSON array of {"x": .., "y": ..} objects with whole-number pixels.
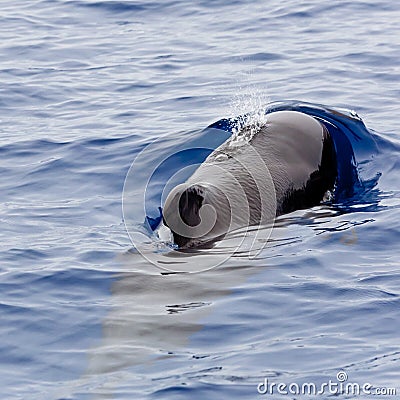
[{"x": 287, "y": 163}]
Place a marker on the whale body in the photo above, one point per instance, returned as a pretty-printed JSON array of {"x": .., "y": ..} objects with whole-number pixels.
[{"x": 287, "y": 163}]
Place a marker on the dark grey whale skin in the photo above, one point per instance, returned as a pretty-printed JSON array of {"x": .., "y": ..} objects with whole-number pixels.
[{"x": 300, "y": 156}]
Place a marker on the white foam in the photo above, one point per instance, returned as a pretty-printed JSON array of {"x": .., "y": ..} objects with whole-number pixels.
[{"x": 247, "y": 111}]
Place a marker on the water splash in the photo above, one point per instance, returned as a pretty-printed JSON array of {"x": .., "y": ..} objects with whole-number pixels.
[{"x": 249, "y": 103}]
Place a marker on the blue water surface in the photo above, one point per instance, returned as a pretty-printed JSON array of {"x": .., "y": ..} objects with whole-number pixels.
[{"x": 86, "y": 87}]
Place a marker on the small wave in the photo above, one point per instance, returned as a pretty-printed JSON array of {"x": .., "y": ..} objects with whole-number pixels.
[{"x": 121, "y": 7}]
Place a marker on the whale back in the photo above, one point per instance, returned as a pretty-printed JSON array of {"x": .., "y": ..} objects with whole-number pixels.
[
  {"x": 301, "y": 157},
  {"x": 298, "y": 152}
]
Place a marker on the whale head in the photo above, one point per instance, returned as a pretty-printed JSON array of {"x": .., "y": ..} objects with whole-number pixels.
[{"x": 196, "y": 214}]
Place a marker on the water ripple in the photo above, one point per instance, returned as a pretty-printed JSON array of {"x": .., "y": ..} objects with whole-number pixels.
[{"x": 87, "y": 85}]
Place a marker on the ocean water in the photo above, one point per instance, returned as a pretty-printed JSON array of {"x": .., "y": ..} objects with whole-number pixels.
[{"x": 90, "y": 88}]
